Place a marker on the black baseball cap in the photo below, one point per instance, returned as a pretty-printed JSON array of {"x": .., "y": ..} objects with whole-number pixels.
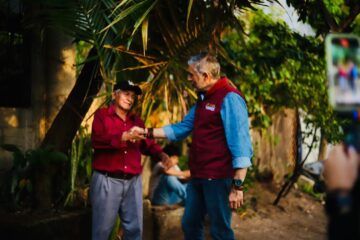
[{"x": 127, "y": 85}]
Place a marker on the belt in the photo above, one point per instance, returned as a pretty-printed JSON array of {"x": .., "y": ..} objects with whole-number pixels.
[{"x": 118, "y": 175}]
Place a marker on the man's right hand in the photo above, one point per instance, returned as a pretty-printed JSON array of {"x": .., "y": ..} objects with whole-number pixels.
[
  {"x": 135, "y": 133},
  {"x": 236, "y": 198}
]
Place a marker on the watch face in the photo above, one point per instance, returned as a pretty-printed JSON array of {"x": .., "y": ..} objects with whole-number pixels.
[{"x": 237, "y": 182}]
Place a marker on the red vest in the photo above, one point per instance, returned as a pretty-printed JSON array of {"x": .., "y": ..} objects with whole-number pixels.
[{"x": 210, "y": 156}]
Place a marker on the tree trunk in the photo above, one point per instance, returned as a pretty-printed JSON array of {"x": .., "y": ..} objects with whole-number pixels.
[
  {"x": 72, "y": 113},
  {"x": 66, "y": 123}
]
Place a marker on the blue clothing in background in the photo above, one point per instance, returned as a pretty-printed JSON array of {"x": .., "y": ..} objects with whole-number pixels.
[
  {"x": 169, "y": 191},
  {"x": 166, "y": 189}
]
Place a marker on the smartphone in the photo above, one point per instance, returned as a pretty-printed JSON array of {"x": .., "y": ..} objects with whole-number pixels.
[{"x": 343, "y": 68}]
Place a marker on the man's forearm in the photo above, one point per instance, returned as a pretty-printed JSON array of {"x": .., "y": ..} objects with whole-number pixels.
[
  {"x": 159, "y": 133},
  {"x": 240, "y": 173}
]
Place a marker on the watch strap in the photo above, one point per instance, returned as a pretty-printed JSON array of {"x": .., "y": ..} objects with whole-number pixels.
[{"x": 241, "y": 188}]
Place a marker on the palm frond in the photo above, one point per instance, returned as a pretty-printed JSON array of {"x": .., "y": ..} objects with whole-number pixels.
[
  {"x": 125, "y": 13},
  {"x": 171, "y": 31}
]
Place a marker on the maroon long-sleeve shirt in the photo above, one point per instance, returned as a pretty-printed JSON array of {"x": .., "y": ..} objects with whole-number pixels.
[{"x": 111, "y": 154}]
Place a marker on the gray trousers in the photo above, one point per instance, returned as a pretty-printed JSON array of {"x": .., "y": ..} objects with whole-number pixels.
[{"x": 109, "y": 197}]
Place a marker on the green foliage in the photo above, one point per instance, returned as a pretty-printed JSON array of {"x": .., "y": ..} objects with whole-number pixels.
[
  {"x": 250, "y": 178},
  {"x": 80, "y": 164},
  {"x": 328, "y": 15},
  {"x": 82, "y": 50},
  {"x": 356, "y": 26},
  {"x": 277, "y": 68},
  {"x": 184, "y": 162},
  {"x": 19, "y": 184}
]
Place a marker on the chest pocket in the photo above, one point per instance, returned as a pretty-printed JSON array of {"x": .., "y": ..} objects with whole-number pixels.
[{"x": 115, "y": 125}]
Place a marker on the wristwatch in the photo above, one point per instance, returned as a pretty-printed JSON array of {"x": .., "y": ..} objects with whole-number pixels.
[{"x": 237, "y": 184}]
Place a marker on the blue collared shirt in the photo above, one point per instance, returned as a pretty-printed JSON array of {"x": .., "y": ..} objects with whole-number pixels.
[{"x": 234, "y": 115}]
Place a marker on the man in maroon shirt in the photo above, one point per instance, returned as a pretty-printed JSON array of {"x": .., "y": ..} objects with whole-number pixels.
[{"x": 116, "y": 185}]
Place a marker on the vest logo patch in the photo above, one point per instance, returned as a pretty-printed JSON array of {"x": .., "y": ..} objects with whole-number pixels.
[{"x": 210, "y": 107}]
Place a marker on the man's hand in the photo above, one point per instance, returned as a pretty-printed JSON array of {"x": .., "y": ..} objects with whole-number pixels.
[
  {"x": 138, "y": 131},
  {"x": 166, "y": 161},
  {"x": 236, "y": 199},
  {"x": 135, "y": 133},
  {"x": 341, "y": 168},
  {"x": 186, "y": 174}
]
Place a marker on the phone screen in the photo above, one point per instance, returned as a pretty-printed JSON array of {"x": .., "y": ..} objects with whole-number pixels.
[{"x": 343, "y": 65}]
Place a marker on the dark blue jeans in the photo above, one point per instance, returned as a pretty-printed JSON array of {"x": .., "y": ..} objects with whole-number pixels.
[{"x": 211, "y": 197}]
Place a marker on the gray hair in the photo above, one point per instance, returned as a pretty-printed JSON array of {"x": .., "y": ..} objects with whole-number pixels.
[{"x": 205, "y": 63}]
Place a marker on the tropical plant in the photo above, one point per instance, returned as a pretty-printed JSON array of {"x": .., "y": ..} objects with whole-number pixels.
[{"x": 146, "y": 41}]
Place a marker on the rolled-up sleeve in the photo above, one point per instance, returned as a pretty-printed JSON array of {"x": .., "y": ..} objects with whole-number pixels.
[
  {"x": 179, "y": 131},
  {"x": 236, "y": 124}
]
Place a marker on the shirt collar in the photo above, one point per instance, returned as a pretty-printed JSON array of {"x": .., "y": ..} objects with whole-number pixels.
[
  {"x": 111, "y": 109},
  {"x": 219, "y": 84}
]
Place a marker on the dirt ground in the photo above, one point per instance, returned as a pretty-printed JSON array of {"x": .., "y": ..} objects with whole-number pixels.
[{"x": 298, "y": 216}]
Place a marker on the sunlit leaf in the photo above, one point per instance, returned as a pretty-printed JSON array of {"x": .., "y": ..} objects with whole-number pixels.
[
  {"x": 188, "y": 12},
  {"x": 144, "y": 34}
]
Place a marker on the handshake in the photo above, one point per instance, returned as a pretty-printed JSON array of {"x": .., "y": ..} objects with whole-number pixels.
[{"x": 138, "y": 133}]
